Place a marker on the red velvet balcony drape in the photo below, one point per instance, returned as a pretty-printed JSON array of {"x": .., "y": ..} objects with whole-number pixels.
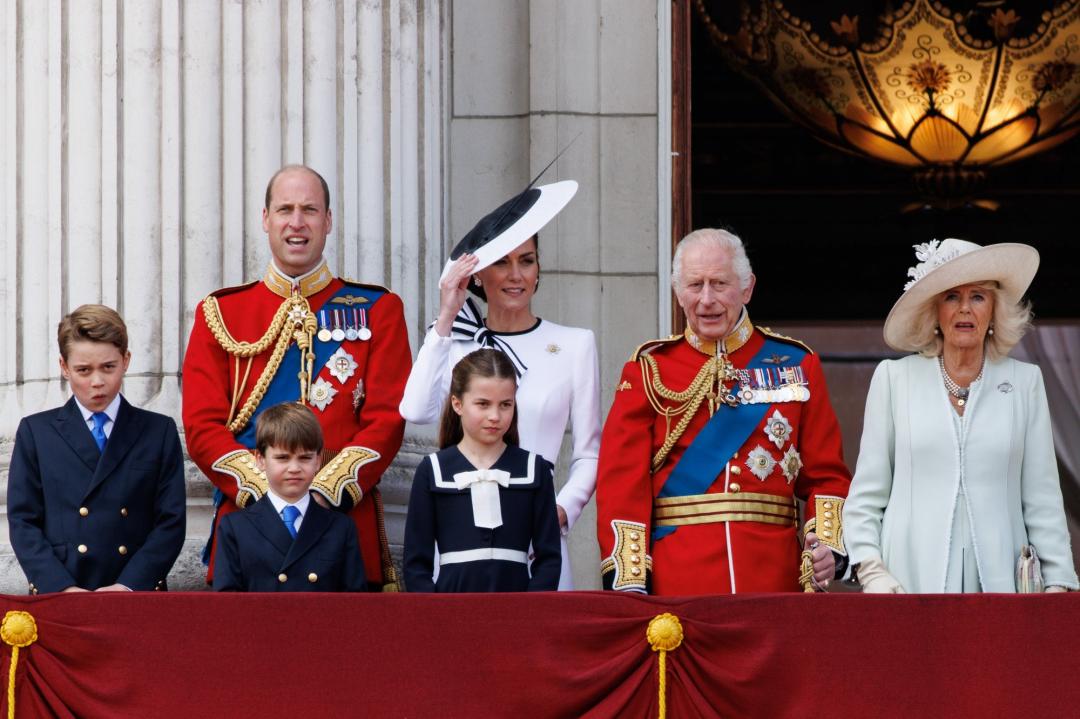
[{"x": 546, "y": 655}]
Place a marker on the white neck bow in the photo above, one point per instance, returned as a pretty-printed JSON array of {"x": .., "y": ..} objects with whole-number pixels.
[{"x": 483, "y": 486}]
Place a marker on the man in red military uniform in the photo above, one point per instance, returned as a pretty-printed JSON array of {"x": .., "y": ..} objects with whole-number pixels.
[
  {"x": 300, "y": 334},
  {"x": 711, "y": 438}
]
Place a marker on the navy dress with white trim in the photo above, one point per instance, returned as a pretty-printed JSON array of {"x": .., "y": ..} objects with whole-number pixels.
[{"x": 444, "y": 513}]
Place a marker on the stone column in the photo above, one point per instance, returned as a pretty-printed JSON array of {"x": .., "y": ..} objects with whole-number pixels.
[
  {"x": 136, "y": 139},
  {"x": 527, "y": 79}
]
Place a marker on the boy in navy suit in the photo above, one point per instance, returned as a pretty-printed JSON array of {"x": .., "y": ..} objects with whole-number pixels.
[
  {"x": 96, "y": 487},
  {"x": 286, "y": 542}
]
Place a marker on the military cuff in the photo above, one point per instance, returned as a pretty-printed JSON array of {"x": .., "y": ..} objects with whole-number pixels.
[
  {"x": 629, "y": 567},
  {"x": 339, "y": 477},
  {"x": 251, "y": 481},
  {"x": 828, "y": 523}
]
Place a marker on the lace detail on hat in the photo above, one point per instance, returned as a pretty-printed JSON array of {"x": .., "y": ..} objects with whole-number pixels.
[{"x": 931, "y": 256}]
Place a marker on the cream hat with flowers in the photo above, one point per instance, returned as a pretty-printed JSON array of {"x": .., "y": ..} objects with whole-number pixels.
[{"x": 951, "y": 263}]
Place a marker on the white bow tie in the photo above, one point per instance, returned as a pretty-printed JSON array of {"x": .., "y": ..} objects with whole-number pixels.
[{"x": 483, "y": 486}]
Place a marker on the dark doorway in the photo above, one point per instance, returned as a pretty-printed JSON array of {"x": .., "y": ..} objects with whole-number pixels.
[{"x": 825, "y": 230}]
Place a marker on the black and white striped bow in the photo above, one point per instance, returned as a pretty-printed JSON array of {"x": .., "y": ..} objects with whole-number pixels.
[{"x": 469, "y": 326}]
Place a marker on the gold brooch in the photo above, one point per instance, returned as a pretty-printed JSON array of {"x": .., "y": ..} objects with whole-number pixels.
[{"x": 554, "y": 348}]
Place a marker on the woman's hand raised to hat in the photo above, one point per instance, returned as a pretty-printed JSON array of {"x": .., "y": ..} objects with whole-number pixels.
[{"x": 453, "y": 289}]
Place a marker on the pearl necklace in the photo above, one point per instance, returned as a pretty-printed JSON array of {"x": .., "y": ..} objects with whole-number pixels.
[{"x": 961, "y": 393}]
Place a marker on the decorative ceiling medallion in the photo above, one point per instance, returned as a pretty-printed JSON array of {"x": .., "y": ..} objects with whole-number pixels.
[{"x": 948, "y": 89}]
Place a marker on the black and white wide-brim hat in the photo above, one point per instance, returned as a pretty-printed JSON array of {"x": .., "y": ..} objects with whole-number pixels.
[
  {"x": 500, "y": 232},
  {"x": 952, "y": 263}
]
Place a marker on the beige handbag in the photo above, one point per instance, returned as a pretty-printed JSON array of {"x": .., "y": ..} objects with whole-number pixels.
[{"x": 1029, "y": 579}]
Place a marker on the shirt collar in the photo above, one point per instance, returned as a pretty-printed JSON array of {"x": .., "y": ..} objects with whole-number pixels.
[
  {"x": 111, "y": 410},
  {"x": 280, "y": 504},
  {"x": 740, "y": 334},
  {"x": 308, "y": 283}
]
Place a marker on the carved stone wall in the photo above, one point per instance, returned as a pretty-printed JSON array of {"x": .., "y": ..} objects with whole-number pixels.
[{"x": 136, "y": 139}]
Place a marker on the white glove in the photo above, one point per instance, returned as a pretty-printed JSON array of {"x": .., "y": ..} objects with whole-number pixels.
[{"x": 875, "y": 578}]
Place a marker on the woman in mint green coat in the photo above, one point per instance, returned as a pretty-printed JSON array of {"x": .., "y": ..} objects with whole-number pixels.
[{"x": 956, "y": 474}]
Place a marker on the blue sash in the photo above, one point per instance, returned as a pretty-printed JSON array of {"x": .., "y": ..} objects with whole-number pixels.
[
  {"x": 285, "y": 385},
  {"x": 721, "y": 437}
]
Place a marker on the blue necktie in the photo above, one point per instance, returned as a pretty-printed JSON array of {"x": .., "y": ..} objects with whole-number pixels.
[
  {"x": 100, "y": 418},
  {"x": 289, "y": 515}
]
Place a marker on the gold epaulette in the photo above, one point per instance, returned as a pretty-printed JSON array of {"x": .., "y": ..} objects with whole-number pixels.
[
  {"x": 649, "y": 346},
  {"x": 784, "y": 338}
]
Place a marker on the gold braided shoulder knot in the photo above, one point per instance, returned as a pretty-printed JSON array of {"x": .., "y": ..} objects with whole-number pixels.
[
  {"x": 707, "y": 384},
  {"x": 295, "y": 311},
  {"x": 339, "y": 475},
  {"x": 251, "y": 482}
]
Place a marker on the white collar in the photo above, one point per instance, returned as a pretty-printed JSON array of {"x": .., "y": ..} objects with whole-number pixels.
[
  {"x": 280, "y": 504},
  {"x": 111, "y": 410}
]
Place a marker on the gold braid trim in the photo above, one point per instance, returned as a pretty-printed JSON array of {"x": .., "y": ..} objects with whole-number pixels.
[
  {"x": 296, "y": 309},
  {"x": 691, "y": 399},
  {"x": 828, "y": 522},
  {"x": 251, "y": 482},
  {"x": 391, "y": 582},
  {"x": 339, "y": 475},
  {"x": 629, "y": 560},
  {"x": 212, "y": 313}
]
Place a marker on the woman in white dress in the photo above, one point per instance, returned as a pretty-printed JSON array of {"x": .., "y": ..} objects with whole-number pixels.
[
  {"x": 559, "y": 381},
  {"x": 957, "y": 476}
]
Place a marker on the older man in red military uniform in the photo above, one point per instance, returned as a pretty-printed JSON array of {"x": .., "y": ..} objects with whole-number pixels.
[
  {"x": 711, "y": 438},
  {"x": 300, "y": 334}
]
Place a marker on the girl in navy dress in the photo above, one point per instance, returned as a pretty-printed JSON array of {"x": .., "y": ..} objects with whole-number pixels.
[{"x": 482, "y": 500}]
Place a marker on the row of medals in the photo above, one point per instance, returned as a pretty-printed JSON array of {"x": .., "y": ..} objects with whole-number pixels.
[
  {"x": 342, "y": 329},
  {"x": 796, "y": 391}
]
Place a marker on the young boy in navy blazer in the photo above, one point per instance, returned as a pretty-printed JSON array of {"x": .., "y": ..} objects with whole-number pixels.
[
  {"x": 96, "y": 487},
  {"x": 288, "y": 541}
]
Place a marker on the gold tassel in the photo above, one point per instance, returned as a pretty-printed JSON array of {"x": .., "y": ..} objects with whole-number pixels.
[
  {"x": 19, "y": 630},
  {"x": 665, "y": 634}
]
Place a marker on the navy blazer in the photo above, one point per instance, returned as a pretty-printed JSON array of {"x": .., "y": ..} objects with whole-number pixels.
[
  {"x": 256, "y": 553},
  {"x": 81, "y": 517}
]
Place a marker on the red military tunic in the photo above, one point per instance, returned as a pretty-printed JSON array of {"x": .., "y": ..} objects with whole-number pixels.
[
  {"x": 359, "y": 413},
  {"x": 757, "y": 548}
]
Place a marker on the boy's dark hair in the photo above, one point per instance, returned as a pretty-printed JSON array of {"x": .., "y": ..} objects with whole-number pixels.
[
  {"x": 92, "y": 323},
  {"x": 479, "y": 363},
  {"x": 290, "y": 426}
]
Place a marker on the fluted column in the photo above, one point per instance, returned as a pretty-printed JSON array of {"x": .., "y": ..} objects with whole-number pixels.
[{"x": 136, "y": 140}]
